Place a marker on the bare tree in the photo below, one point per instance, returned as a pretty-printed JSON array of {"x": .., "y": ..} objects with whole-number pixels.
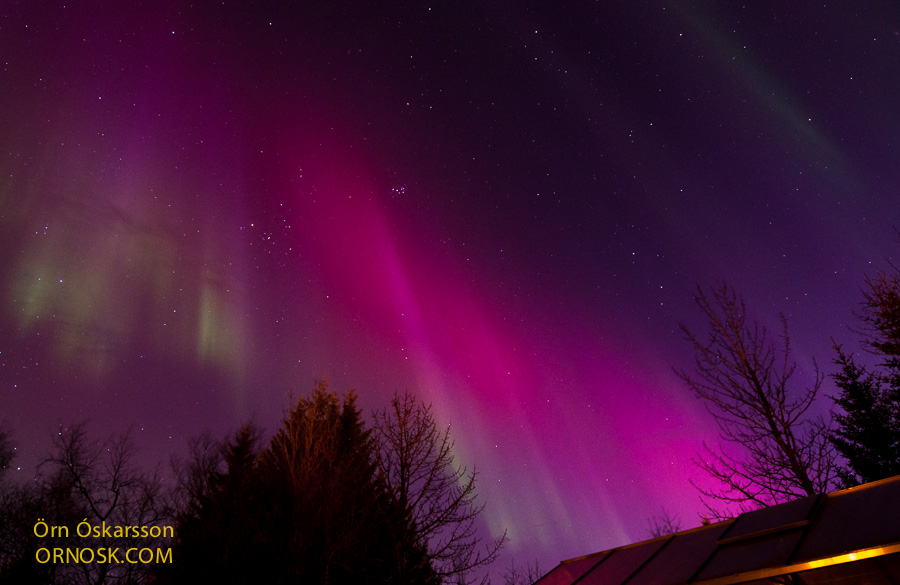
[
  {"x": 101, "y": 481},
  {"x": 515, "y": 575},
  {"x": 195, "y": 474},
  {"x": 745, "y": 379},
  {"x": 437, "y": 497},
  {"x": 664, "y": 526}
]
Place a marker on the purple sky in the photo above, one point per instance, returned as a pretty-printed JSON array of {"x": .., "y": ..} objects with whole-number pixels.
[{"x": 502, "y": 207}]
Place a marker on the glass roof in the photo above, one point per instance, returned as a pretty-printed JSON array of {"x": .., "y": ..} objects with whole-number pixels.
[
  {"x": 854, "y": 519},
  {"x": 677, "y": 561},
  {"x": 622, "y": 563},
  {"x": 769, "y": 519},
  {"x": 850, "y": 536},
  {"x": 771, "y": 550},
  {"x": 570, "y": 571},
  {"x": 877, "y": 571}
]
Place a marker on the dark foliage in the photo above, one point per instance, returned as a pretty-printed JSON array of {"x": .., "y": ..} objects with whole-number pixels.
[
  {"x": 308, "y": 508},
  {"x": 20, "y": 507},
  {"x": 868, "y": 428},
  {"x": 219, "y": 528},
  {"x": 326, "y": 501}
]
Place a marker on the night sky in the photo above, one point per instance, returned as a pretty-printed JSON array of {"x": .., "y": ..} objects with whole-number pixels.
[{"x": 502, "y": 207}]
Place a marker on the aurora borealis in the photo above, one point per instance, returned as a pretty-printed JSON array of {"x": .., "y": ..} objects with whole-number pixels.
[{"x": 502, "y": 207}]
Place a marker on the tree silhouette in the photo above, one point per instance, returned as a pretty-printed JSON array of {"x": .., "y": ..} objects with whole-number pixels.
[
  {"x": 667, "y": 524},
  {"x": 308, "y": 508},
  {"x": 103, "y": 480},
  {"x": 438, "y": 498},
  {"x": 517, "y": 575},
  {"x": 84, "y": 479},
  {"x": 322, "y": 462},
  {"x": 745, "y": 379},
  {"x": 220, "y": 526},
  {"x": 868, "y": 430},
  {"x": 20, "y": 507}
]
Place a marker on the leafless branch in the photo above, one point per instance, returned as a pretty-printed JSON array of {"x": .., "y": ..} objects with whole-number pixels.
[
  {"x": 438, "y": 496},
  {"x": 745, "y": 380}
]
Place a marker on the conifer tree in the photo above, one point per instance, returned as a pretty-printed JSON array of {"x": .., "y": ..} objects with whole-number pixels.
[
  {"x": 868, "y": 429},
  {"x": 308, "y": 508}
]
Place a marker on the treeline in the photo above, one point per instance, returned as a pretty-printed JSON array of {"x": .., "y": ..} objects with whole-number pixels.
[
  {"x": 771, "y": 448},
  {"x": 332, "y": 500},
  {"x": 327, "y": 500}
]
